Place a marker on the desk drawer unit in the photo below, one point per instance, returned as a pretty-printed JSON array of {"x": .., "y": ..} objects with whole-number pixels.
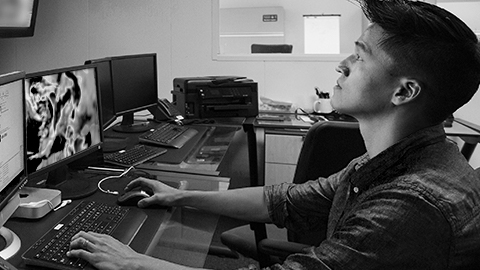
[{"x": 281, "y": 156}]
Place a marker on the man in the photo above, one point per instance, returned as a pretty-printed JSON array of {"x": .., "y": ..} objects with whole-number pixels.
[{"x": 411, "y": 202}]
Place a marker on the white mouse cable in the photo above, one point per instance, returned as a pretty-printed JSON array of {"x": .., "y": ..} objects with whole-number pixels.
[{"x": 112, "y": 177}]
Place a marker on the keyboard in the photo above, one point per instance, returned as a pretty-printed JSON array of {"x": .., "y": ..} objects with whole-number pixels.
[
  {"x": 50, "y": 250},
  {"x": 134, "y": 156},
  {"x": 168, "y": 135}
]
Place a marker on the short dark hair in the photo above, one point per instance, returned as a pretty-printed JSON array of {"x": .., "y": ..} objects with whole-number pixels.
[{"x": 433, "y": 46}]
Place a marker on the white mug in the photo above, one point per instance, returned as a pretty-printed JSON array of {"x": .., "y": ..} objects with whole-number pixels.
[{"x": 322, "y": 105}]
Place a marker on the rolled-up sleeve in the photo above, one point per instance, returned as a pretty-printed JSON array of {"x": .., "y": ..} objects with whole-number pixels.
[{"x": 301, "y": 206}]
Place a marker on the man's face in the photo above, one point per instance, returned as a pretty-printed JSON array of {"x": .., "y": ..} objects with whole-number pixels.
[{"x": 365, "y": 87}]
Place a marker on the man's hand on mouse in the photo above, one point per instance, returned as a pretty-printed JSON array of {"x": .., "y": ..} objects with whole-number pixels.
[{"x": 161, "y": 194}]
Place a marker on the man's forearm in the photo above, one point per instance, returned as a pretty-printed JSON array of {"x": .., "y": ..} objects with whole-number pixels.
[{"x": 246, "y": 204}]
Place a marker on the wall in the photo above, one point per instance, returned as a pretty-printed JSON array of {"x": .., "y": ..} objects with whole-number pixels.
[
  {"x": 350, "y": 20},
  {"x": 241, "y": 27},
  {"x": 68, "y": 32},
  {"x": 462, "y": 9}
]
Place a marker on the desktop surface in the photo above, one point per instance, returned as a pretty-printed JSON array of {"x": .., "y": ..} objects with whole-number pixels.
[
  {"x": 28, "y": 236},
  {"x": 167, "y": 233},
  {"x": 202, "y": 154},
  {"x": 293, "y": 121}
]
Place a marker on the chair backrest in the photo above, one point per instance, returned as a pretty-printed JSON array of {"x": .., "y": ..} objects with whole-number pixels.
[
  {"x": 328, "y": 147},
  {"x": 271, "y": 48}
]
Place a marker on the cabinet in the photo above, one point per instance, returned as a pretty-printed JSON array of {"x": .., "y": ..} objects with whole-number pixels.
[{"x": 281, "y": 156}]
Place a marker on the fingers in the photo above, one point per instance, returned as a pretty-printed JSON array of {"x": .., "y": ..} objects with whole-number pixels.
[
  {"x": 139, "y": 182},
  {"x": 147, "y": 202},
  {"x": 250, "y": 267},
  {"x": 87, "y": 241},
  {"x": 90, "y": 236},
  {"x": 81, "y": 243},
  {"x": 80, "y": 253}
]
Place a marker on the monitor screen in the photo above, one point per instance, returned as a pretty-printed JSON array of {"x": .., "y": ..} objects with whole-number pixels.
[
  {"x": 134, "y": 82},
  {"x": 12, "y": 161},
  {"x": 104, "y": 74},
  {"x": 12, "y": 143},
  {"x": 17, "y": 17},
  {"x": 63, "y": 120}
]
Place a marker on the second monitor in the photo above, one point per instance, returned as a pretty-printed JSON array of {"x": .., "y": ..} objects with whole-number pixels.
[{"x": 133, "y": 87}]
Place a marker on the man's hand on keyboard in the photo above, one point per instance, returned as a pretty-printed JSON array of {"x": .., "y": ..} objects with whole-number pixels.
[
  {"x": 104, "y": 251},
  {"x": 161, "y": 194}
]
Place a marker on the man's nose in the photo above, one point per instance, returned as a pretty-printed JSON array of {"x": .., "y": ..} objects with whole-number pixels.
[{"x": 343, "y": 70}]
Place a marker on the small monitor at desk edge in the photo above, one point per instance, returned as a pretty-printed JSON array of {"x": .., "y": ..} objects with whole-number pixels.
[{"x": 12, "y": 157}]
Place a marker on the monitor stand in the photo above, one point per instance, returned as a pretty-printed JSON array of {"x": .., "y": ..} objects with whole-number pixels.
[
  {"x": 128, "y": 125},
  {"x": 73, "y": 184},
  {"x": 114, "y": 144},
  {"x": 10, "y": 243}
]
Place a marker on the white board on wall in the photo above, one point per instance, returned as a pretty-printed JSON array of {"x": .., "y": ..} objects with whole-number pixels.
[{"x": 322, "y": 34}]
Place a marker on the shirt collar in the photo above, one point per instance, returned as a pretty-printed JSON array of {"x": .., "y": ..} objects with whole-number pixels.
[{"x": 369, "y": 170}]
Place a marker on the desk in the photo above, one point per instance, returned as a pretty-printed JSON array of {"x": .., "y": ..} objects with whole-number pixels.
[
  {"x": 292, "y": 126},
  {"x": 191, "y": 158},
  {"x": 181, "y": 235}
]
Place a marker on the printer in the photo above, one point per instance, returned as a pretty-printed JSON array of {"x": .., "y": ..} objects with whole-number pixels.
[{"x": 215, "y": 96}]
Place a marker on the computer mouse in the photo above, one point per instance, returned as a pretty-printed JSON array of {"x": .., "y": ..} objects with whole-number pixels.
[{"x": 132, "y": 197}]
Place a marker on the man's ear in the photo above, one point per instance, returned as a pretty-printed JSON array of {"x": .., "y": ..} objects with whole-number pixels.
[{"x": 408, "y": 90}]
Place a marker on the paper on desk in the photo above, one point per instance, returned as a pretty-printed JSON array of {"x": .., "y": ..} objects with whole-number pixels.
[{"x": 274, "y": 105}]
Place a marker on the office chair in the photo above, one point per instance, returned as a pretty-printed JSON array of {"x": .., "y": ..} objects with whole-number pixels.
[
  {"x": 271, "y": 48},
  {"x": 328, "y": 148}
]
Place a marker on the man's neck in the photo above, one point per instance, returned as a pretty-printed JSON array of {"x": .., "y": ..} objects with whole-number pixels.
[{"x": 380, "y": 134}]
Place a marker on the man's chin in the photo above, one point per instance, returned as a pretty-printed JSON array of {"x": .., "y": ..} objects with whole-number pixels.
[{"x": 338, "y": 108}]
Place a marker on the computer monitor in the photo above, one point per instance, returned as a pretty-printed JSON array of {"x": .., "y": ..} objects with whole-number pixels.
[
  {"x": 12, "y": 157},
  {"x": 104, "y": 74},
  {"x": 104, "y": 78},
  {"x": 63, "y": 127},
  {"x": 134, "y": 79},
  {"x": 17, "y": 18}
]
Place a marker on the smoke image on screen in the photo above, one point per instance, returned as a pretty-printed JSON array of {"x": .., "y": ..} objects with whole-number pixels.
[{"x": 62, "y": 116}]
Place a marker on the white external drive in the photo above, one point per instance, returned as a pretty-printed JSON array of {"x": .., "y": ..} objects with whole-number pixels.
[{"x": 35, "y": 203}]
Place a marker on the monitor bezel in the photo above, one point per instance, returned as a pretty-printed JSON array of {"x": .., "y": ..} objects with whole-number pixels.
[
  {"x": 77, "y": 156},
  {"x": 154, "y": 102},
  {"x": 21, "y": 179},
  {"x": 14, "y": 32},
  {"x": 115, "y": 116}
]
